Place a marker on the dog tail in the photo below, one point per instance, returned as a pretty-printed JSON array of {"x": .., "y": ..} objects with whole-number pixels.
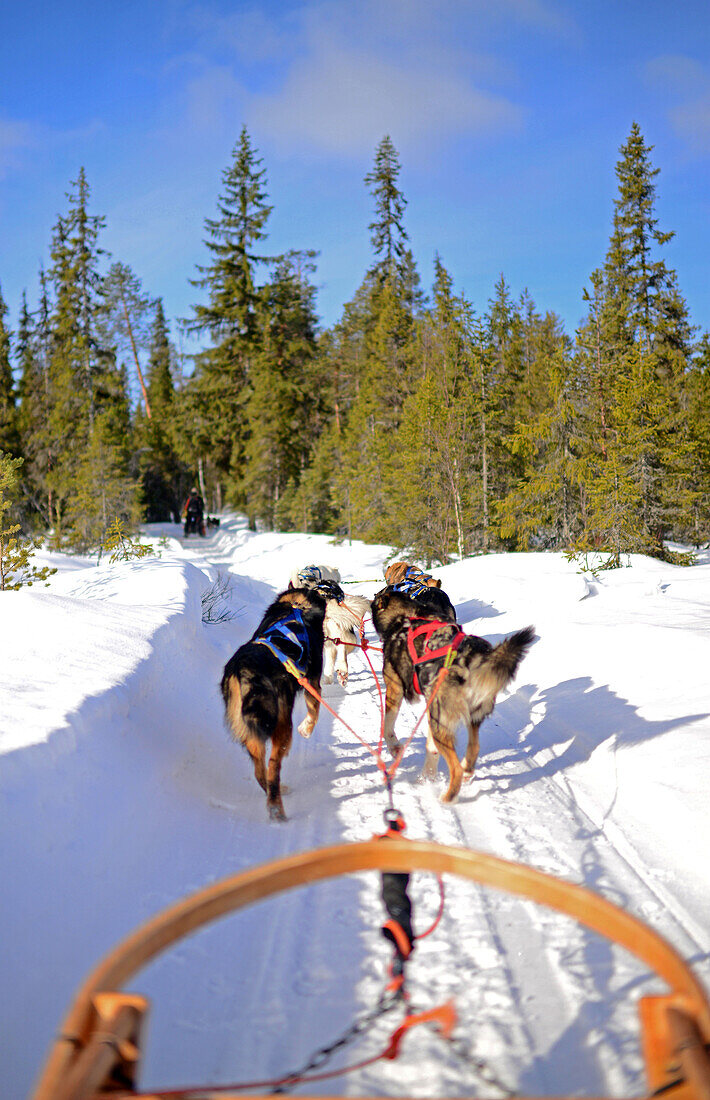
[
  {"x": 505, "y": 658},
  {"x": 496, "y": 668},
  {"x": 248, "y": 713}
]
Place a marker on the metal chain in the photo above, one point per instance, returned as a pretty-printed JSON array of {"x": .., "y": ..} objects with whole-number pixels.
[
  {"x": 461, "y": 1050},
  {"x": 384, "y": 1005}
]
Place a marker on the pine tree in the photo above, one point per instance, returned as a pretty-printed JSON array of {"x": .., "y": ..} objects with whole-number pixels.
[
  {"x": 89, "y": 479},
  {"x": 504, "y": 388},
  {"x": 281, "y": 422},
  {"x": 541, "y": 511},
  {"x": 437, "y": 440},
  {"x": 9, "y": 434},
  {"x": 634, "y": 351},
  {"x": 388, "y": 234},
  {"x": 386, "y": 381},
  {"x": 16, "y": 569},
  {"x": 163, "y": 476},
  {"x": 125, "y": 320},
  {"x": 77, "y": 360},
  {"x": 222, "y": 375},
  {"x": 33, "y": 354},
  {"x": 696, "y": 526},
  {"x": 103, "y": 489}
]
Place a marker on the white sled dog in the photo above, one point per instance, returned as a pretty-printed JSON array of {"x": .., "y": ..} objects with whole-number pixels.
[{"x": 343, "y": 618}]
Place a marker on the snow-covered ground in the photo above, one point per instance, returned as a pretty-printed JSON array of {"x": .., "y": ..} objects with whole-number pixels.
[{"x": 121, "y": 792}]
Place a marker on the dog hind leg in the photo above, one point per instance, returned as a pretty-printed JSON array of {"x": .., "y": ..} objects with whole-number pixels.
[
  {"x": 468, "y": 762},
  {"x": 394, "y": 694},
  {"x": 341, "y": 663},
  {"x": 257, "y": 750},
  {"x": 329, "y": 654},
  {"x": 444, "y": 741},
  {"x": 312, "y": 709},
  {"x": 280, "y": 744},
  {"x": 431, "y": 761}
]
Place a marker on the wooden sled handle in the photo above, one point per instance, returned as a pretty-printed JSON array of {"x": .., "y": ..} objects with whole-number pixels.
[{"x": 72, "y": 1048}]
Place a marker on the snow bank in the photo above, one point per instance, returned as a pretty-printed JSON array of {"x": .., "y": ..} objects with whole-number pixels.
[{"x": 121, "y": 792}]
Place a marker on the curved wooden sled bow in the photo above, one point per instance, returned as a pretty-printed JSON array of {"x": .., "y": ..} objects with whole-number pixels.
[{"x": 98, "y": 1050}]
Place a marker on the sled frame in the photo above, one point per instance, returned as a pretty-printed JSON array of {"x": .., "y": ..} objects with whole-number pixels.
[{"x": 97, "y": 1053}]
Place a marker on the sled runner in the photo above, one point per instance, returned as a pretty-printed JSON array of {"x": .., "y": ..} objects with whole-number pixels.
[{"x": 97, "y": 1052}]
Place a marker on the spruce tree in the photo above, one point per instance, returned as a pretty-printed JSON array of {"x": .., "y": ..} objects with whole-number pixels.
[
  {"x": 163, "y": 476},
  {"x": 33, "y": 355},
  {"x": 103, "y": 489},
  {"x": 387, "y": 232},
  {"x": 696, "y": 526},
  {"x": 230, "y": 317},
  {"x": 386, "y": 381},
  {"x": 16, "y": 569},
  {"x": 9, "y": 430},
  {"x": 634, "y": 351},
  {"x": 89, "y": 479},
  {"x": 9, "y": 433},
  {"x": 77, "y": 359},
  {"x": 125, "y": 320},
  {"x": 284, "y": 409},
  {"x": 436, "y": 443},
  {"x": 541, "y": 510}
]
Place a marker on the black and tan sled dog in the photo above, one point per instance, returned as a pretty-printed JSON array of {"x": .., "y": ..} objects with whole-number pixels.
[
  {"x": 259, "y": 691},
  {"x": 416, "y": 647},
  {"x": 408, "y": 580}
]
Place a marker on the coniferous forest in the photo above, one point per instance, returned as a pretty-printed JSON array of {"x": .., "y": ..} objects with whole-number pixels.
[{"x": 439, "y": 425}]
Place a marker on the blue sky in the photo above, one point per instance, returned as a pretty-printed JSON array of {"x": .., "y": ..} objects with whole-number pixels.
[{"x": 507, "y": 116}]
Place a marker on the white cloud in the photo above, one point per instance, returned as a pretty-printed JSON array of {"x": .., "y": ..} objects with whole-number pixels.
[
  {"x": 677, "y": 74},
  {"x": 692, "y": 122},
  {"x": 343, "y": 101},
  {"x": 336, "y": 76},
  {"x": 687, "y": 81},
  {"x": 15, "y": 137}
]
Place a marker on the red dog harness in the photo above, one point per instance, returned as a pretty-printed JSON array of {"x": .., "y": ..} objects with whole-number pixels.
[{"x": 426, "y": 628}]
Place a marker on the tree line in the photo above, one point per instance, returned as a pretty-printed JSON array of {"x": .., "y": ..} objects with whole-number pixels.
[{"x": 417, "y": 419}]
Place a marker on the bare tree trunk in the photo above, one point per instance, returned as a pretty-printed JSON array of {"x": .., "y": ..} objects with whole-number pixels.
[
  {"x": 201, "y": 478},
  {"x": 136, "y": 360},
  {"x": 453, "y": 476}
]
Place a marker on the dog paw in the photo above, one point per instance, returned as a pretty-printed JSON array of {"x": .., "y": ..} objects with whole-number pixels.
[
  {"x": 327, "y": 679},
  {"x": 393, "y": 745},
  {"x": 305, "y": 729},
  {"x": 342, "y": 678},
  {"x": 276, "y": 813}
]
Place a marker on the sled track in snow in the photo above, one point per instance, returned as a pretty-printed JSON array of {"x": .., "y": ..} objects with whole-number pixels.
[{"x": 511, "y": 965}]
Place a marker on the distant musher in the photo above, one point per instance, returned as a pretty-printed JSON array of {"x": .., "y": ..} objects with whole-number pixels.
[{"x": 193, "y": 512}]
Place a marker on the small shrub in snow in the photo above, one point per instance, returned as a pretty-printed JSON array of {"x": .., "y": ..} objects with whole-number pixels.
[
  {"x": 216, "y": 601},
  {"x": 122, "y": 547},
  {"x": 15, "y": 553}
]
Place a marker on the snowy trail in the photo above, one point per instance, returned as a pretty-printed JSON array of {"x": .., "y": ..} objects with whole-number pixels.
[
  {"x": 138, "y": 797},
  {"x": 512, "y": 967}
]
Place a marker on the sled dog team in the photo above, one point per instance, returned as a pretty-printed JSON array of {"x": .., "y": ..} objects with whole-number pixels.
[{"x": 304, "y": 638}]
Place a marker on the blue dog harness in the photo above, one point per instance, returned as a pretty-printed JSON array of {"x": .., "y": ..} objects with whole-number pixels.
[
  {"x": 288, "y": 641},
  {"x": 310, "y": 574},
  {"x": 412, "y": 585},
  {"x": 330, "y": 590}
]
